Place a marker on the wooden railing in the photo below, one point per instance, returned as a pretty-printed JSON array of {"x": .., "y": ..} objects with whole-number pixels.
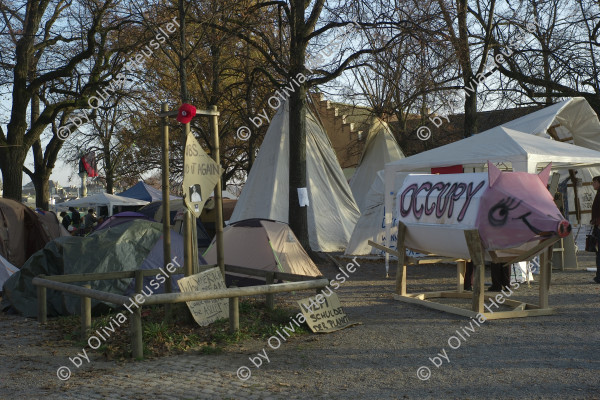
[{"x": 64, "y": 283}]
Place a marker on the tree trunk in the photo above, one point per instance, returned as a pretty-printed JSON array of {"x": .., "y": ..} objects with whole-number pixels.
[
  {"x": 297, "y": 215},
  {"x": 470, "y": 125},
  {"x": 110, "y": 183},
  {"x": 12, "y": 172},
  {"x": 182, "y": 71},
  {"x": 109, "y": 169},
  {"x": 42, "y": 190}
]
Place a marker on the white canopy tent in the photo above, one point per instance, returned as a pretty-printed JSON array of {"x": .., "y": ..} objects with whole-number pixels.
[
  {"x": 380, "y": 148},
  {"x": 332, "y": 211},
  {"x": 517, "y": 150},
  {"x": 100, "y": 200}
]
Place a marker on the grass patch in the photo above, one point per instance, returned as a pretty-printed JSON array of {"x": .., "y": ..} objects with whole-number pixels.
[{"x": 177, "y": 336}]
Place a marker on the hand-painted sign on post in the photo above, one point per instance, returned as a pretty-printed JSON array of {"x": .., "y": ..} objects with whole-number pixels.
[
  {"x": 206, "y": 311},
  {"x": 325, "y": 316},
  {"x": 200, "y": 175}
]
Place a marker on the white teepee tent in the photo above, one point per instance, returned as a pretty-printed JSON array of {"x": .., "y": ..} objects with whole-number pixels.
[
  {"x": 371, "y": 225},
  {"x": 332, "y": 211},
  {"x": 380, "y": 149}
]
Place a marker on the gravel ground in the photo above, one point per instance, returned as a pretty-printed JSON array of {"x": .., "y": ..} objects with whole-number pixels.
[{"x": 549, "y": 357}]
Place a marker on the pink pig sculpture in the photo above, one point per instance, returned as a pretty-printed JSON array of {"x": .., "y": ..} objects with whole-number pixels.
[{"x": 511, "y": 210}]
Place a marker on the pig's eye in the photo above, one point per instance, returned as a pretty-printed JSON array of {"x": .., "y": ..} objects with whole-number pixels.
[{"x": 499, "y": 212}]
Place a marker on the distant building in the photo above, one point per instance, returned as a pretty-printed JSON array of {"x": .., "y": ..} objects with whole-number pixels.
[{"x": 347, "y": 126}]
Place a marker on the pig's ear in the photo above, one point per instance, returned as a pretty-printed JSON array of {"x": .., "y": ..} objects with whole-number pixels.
[
  {"x": 493, "y": 173},
  {"x": 545, "y": 174}
]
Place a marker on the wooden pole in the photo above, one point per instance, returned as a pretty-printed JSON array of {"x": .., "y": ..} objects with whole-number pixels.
[
  {"x": 270, "y": 301},
  {"x": 234, "y": 314},
  {"x": 78, "y": 290},
  {"x": 166, "y": 203},
  {"x": 214, "y": 123},
  {"x": 401, "y": 271},
  {"x": 476, "y": 251},
  {"x": 194, "y": 229},
  {"x": 188, "y": 246},
  {"x": 86, "y": 314},
  {"x": 545, "y": 272},
  {"x": 235, "y": 292},
  {"x": 461, "y": 267},
  {"x": 186, "y": 296},
  {"x": 137, "y": 341},
  {"x": 190, "y": 234}
]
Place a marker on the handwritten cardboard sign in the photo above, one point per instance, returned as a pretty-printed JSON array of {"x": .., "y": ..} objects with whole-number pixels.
[
  {"x": 205, "y": 311},
  {"x": 326, "y": 316},
  {"x": 200, "y": 175}
]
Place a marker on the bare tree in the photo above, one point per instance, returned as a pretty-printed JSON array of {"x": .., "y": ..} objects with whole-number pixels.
[{"x": 53, "y": 66}]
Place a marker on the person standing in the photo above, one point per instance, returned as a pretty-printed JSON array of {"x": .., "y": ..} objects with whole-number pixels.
[
  {"x": 66, "y": 220},
  {"x": 75, "y": 217},
  {"x": 596, "y": 222},
  {"x": 89, "y": 219}
]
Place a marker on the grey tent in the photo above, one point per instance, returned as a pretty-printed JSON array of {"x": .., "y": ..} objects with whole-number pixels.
[{"x": 126, "y": 247}]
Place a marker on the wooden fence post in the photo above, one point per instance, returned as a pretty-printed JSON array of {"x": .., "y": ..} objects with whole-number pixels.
[
  {"x": 137, "y": 341},
  {"x": 86, "y": 313},
  {"x": 270, "y": 301},
  {"x": 234, "y": 313},
  {"x": 477, "y": 257}
]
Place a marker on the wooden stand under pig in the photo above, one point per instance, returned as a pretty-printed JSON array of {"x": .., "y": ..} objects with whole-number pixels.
[{"x": 513, "y": 212}]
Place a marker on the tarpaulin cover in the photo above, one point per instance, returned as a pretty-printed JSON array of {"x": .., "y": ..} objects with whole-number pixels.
[
  {"x": 143, "y": 191},
  {"x": 24, "y": 231},
  {"x": 126, "y": 247}
]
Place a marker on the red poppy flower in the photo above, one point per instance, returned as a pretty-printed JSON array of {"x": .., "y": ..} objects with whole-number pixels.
[{"x": 186, "y": 113}]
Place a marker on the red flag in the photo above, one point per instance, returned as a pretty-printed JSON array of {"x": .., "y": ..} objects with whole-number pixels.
[{"x": 87, "y": 163}]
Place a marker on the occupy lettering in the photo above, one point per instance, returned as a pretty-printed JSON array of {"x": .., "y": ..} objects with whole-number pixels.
[{"x": 448, "y": 194}]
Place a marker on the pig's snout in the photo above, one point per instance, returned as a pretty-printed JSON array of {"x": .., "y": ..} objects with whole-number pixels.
[{"x": 564, "y": 228}]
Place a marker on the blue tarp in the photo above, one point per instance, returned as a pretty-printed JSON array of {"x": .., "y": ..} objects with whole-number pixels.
[{"x": 142, "y": 191}]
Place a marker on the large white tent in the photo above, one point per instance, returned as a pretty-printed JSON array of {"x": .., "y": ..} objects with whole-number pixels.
[
  {"x": 380, "y": 148},
  {"x": 332, "y": 211},
  {"x": 102, "y": 200},
  {"x": 570, "y": 121}
]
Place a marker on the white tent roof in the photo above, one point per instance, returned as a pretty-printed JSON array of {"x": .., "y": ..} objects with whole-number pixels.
[
  {"x": 102, "y": 199},
  {"x": 500, "y": 145},
  {"x": 572, "y": 118},
  {"x": 380, "y": 149},
  {"x": 332, "y": 211}
]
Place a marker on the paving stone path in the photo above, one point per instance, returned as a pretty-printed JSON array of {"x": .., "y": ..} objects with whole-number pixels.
[{"x": 550, "y": 357}]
